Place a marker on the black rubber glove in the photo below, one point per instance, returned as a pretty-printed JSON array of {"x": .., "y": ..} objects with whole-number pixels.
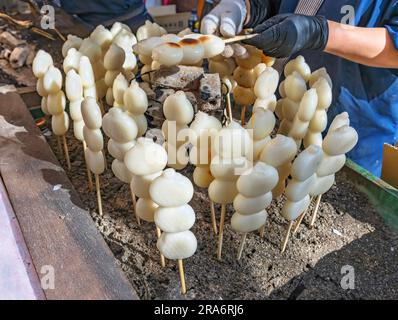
[
  {"x": 261, "y": 10},
  {"x": 287, "y": 34}
]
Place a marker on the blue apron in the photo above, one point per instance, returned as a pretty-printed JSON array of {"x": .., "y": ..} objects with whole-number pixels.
[{"x": 368, "y": 94}]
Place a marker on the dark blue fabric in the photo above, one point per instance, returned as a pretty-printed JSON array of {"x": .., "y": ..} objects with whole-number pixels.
[
  {"x": 369, "y": 95},
  {"x": 96, "y": 12}
]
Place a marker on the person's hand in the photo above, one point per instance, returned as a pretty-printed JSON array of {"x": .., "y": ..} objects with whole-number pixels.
[
  {"x": 287, "y": 34},
  {"x": 226, "y": 18}
]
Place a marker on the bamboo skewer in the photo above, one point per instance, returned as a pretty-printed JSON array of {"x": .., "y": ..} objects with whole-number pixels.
[
  {"x": 243, "y": 115},
  {"x": 135, "y": 206},
  {"x": 99, "y": 200},
  {"x": 213, "y": 217},
  {"x": 66, "y": 151},
  {"x": 221, "y": 232},
  {"x": 240, "y": 38},
  {"x": 262, "y": 231},
  {"x": 229, "y": 107},
  {"x": 318, "y": 202},
  {"x": 298, "y": 223},
  {"x": 89, "y": 178},
  {"x": 284, "y": 243},
  {"x": 242, "y": 245},
  {"x": 162, "y": 259},
  {"x": 182, "y": 276}
]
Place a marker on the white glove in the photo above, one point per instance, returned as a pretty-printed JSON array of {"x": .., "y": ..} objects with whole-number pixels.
[{"x": 226, "y": 18}]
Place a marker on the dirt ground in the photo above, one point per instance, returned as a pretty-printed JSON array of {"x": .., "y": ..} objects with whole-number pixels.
[{"x": 348, "y": 232}]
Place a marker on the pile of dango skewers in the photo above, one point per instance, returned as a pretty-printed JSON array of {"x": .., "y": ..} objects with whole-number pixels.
[{"x": 243, "y": 164}]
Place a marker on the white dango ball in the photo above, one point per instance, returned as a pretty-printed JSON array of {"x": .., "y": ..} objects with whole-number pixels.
[
  {"x": 119, "y": 125},
  {"x": 298, "y": 129},
  {"x": 117, "y": 27},
  {"x": 56, "y": 103},
  {"x": 212, "y": 45},
  {"x": 43, "y": 106},
  {"x": 204, "y": 126},
  {"x": 101, "y": 88},
  {"x": 102, "y": 36},
  {"x": 228, "y": 168},
  {"x": 72, "y": 41},
  {"x": 141, "y": 184},
  {"x": 93, "y": 138},
  {"x": 110, "y": 77},
  {"x": 339, "y": 121},
  {"x": 295, "y": 86},
  {"x": 168, "y": 54},
  {"x": 175, "y": 219},
  {"x": 251, "y": 58},
  {"x": 60, "y": 123},
  {"x": 73, "y": 86},
  {"x": 120, "y": 171},
  {"x": 322, "y": 185},
  {"x": 146, "y": 157},
  {"x": 90, "y": 92},
  {"x": 171, "y": 189},
  {"x": 146, "y": 208},
  {"x": 279, "y": 150},
  {"x": 224, "y": 67},
  {"x": 41, "y": 63},
  {"x": 95, "y": 161},
  {"x": 145, "y": 47},
  {"x": 258, "y": 180},
  {"x": 261, "y": 123},
  {"x": 120, "y": 85},
  {"x": 258, "y": 147},
  {"x": 114, "y": 58},
  {"x": 290, "y": 109},
  {"x": 246, "y": 206},
  {"x": 142, "y": 124},
  {"x": 202, "y": 177},
  {"x": 177, "y": 108},
  {"x": 320, "y": 73},
  {"x": 308, "y": 105},
  {"x": 91, "y": 49},
  {"x": 259, "y": 69},
  {"x": 177, "y": 245},
  {"x": 248, "y": 223},
  {"x": 193, "y": 51},
  {"x": 78, "y": 130},
  {"x": 245, "y": 77},
  {"x": 118, "y": 150},
  {"x": 297, "y": 190},
  {"x": 324, "y": 92},
  {"x": 86, "y": 72},
  {"x": 172, "y": 132},
  {"x": 52, "y": 81},
  {"x": 72, "y": 60},
  {"x": 267, "y": 83},
  {"x": 232, "y": 141},
  {"x": 75, "y": 110},
  {"x": 244, "y": 96},
  {"x": 200, "y": 156},
  {"x": 331, "y": 164},
  {"x": 319, "y": 122},
  {"x": 299, "y": 65},
  {"x": 314, "y": 138},
  {"x": 222, "y": 191},
  {"x": 109, "y": 97},
  {"x": 171, "y": 37},
  {"x": 177, "y": 157},
  {"x": 267, "y": 104},
  {"x": 147, "y": 60},
  {"x": 292, "y": 210},
  {"x": 91, "y": 113},
  {"x": 340, "y": 141},
  {"x": 135, "y": 99},
  {"x": 307, "y": 162},
  {"x": 40, "y": 88}
]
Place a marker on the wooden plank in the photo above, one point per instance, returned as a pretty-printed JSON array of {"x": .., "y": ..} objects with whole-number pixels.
[
  {"x": 389, "y": 172},
  {"x": 58, "y": 230},
  {"x": 18, "y": 277}
]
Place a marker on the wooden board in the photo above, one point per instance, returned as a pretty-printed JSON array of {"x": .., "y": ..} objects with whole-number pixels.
[
  {"x": 389, "y": 171},
  {"x": 59, "y": 232}
]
